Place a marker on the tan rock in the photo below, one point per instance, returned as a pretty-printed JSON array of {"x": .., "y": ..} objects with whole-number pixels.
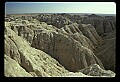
[
  {"x": 72, "y": 46},
  {"x": 90, "y": 32},
  {"x": 65, "y": 49},
  {"x": 13, "y": 69},
  {"x": 95, "y": 70},
  {"x": 34, "y": 61}
]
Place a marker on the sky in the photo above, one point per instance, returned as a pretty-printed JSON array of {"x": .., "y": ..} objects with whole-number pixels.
[{"x": 60, "y": 7}]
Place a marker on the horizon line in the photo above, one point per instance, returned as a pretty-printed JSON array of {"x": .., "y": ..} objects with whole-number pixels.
[{"x": 61, "y": 12}]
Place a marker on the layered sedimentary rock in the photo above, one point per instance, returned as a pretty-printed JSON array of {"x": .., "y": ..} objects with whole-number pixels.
[
  {"x": 54, "y": 19},
  {"x": 108, "y": 49},
  {"x": 102, "y": 24},
  {"x": 66, "y": 49},
  {"x": 33, "y": 61},
  {"x": 88, "y": 31},
  {"x": 32, "y": 45},
  {"x": 63, "y": 46}
]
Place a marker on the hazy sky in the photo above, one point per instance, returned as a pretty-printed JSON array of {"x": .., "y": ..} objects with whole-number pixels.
[{"x": 60, "y": 7}]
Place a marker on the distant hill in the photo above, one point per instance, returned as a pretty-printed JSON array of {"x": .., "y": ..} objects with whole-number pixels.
[
  {"x": 70, "y": 14},
  {"x": 92, "y": 13}
]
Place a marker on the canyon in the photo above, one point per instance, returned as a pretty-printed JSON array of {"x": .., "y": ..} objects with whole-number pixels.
[{"x": 59, "y": 45}]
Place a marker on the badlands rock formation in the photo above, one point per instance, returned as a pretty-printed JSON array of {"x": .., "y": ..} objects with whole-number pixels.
[
  {"x": 102, "y": 24},
  {"x": 28, "y": 61},
  {"x": 54, "y": 45},
  {"x": 108, "y": 48},
  {"x": 95, "y": 70}
]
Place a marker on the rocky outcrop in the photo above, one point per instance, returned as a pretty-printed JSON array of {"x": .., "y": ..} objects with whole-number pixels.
[
  {"x": 90, "y": 32},
  {"x": 34, "y": 46},
  {"x": 83, "y": 40},
  {"x": 54, "y": 19},
  {"x": 101, "y": 24},
  {"x": 72, "y": 28},
  {"x": 66, "y": 48},
  {"x": 33, "y": 61},
  {"x": 72, "y": 54},
  {"x": 85, "y": 30},
  {"x": 13, "y": 69},
  {"x": 21, "y": 30},
  {"x": 107, "y": 49},
  {"x": 75, "y": 47},
  {"x": 95, "y": 70}
]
